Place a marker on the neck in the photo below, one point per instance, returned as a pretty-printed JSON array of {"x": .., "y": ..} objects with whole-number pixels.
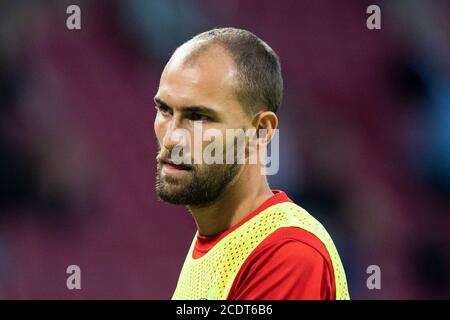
[{"x": 238, "y": 200}]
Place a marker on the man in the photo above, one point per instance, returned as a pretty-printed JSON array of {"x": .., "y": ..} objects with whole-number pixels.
[{"x": 252, "y": 242}]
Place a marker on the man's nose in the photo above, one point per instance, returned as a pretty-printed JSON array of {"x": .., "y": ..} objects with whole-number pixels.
[{"x": 174, "y": 135}]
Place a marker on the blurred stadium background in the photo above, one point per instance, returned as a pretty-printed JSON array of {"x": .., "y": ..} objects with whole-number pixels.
[{"x": 365, "y": 132}]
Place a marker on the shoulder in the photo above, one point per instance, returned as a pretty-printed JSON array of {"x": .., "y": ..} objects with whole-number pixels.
[
  {"x": 295, "y": 238},
  {"x": 291, "y": 263},
  {"x": 291, "y": 246}
]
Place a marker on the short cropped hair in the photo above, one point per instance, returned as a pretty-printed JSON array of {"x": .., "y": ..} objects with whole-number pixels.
[{"x": 260, "y": 84}]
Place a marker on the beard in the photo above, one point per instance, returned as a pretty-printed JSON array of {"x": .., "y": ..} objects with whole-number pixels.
[{"x": 199, "y": 187}]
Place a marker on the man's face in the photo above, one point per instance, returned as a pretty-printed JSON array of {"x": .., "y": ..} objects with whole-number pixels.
[{"x": 193, "y": 93}]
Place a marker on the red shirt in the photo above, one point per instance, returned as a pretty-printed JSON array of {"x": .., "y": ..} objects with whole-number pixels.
[{"x": 290, "y": 264}]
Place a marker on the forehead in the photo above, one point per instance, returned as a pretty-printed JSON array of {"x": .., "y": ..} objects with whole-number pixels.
[{"x": 199, "y": 78}]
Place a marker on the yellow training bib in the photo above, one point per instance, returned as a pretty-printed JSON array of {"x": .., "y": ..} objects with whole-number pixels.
[{"x": 212, "y": 275}]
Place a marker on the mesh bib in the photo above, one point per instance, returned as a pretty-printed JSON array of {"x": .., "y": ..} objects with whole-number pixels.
[{"x": 212, "y": 275}]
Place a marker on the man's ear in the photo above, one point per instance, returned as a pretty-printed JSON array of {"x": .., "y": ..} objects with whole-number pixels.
[{"x": 265, "y": 122}]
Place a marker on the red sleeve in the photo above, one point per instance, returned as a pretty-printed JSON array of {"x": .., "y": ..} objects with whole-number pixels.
[{"x": 290, "y": 264}]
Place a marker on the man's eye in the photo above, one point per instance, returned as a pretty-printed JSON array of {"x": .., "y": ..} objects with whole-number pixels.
[
  {"x": 163, "y": 110},
  {"x": 198, "y": 117}
]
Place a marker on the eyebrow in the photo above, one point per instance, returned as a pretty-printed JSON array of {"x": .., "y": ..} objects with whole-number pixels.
[{"x": 194, "y": 108}]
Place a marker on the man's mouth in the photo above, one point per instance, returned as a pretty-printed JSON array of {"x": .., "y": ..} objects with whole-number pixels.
[{"x": 170, "y": 168}]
